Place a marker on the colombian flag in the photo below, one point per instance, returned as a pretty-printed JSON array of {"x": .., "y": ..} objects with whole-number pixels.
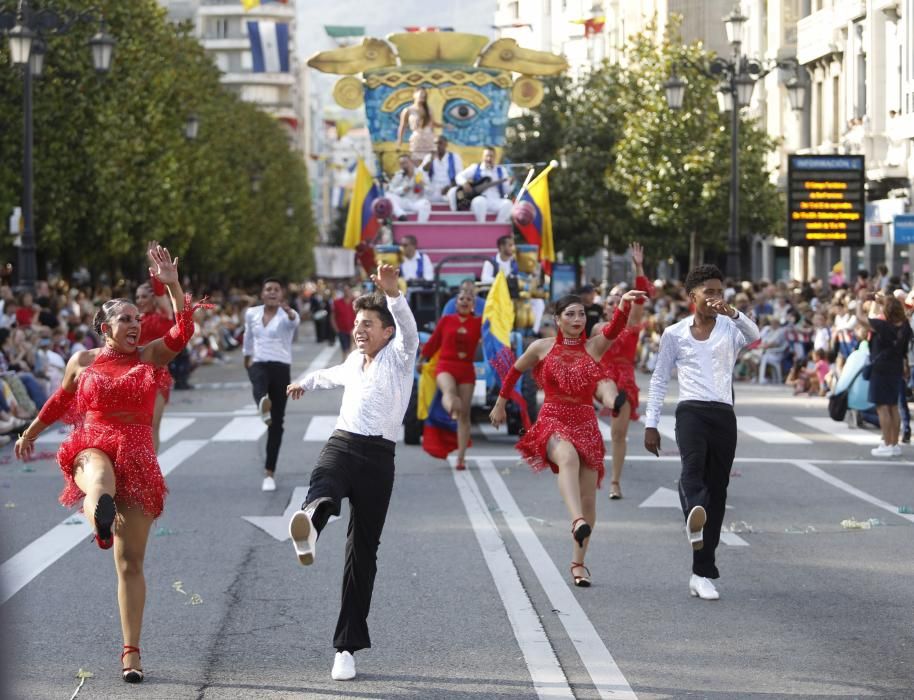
[
  {"x": 539, "y": 231},
  {"x": 439, "y": 432},
  {"x": 361, "y": 223},
  {"x": 497, "y": 322}
]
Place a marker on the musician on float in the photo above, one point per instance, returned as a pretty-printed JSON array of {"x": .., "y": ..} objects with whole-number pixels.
[
  {"x": 442, "y": 167},
  {"x": 407, "y": 191},
  {"x": 488, "y": 186},
  {"x": 415, "y": 266},
  {"x": 506, "y": 261}
]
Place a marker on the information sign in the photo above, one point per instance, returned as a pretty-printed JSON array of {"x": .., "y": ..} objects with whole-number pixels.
[{"x": 825, "y": 200}]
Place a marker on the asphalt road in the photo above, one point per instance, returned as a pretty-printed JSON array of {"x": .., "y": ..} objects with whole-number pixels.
[{"x": 473, "y": 597}]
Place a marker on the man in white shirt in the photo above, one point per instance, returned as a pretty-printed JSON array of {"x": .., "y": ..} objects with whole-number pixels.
[
  {"x": 267, "y": 348},
  {"x": 358, "y": 460},
  {"x": 494, "y": 199},
  {"x": 703, "y": 349},
  {"x": 442, "y": 167},
  {"x": 407, "y": 191},
  {"x": 416, "y": 265},
  {"x": 506, "y": 262}
]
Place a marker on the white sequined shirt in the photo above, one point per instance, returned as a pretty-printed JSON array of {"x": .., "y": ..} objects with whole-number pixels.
[
  {"x": 375, "y": 397},
  {"x": 704, "y": 367}
]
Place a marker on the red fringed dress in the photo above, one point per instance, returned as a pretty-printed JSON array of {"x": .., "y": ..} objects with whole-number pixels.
[
  {"x": 457, "y": 337},
  {"x": 152, "y": 327},
  {"x": 112, "y": 412},
  {"x": 619, "y": 364},
  {"x": 569, "y": 377}
]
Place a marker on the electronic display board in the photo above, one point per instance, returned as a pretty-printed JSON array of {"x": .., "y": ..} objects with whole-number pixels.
[{"x": 825, "y": 200}]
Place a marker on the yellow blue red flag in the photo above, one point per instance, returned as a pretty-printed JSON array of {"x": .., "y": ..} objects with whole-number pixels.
[
  {"x": 361, "y": 223},
  {"x": 539, "y": 231},
  {"x": 497, "y": 322}
]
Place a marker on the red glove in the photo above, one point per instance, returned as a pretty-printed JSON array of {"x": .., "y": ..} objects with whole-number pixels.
[
  {"x": 507, "y": 384},
  {"x": 619, "y": 320},
  {"x": 157, "y": 287},
  {"x": 56, "y": 406}
]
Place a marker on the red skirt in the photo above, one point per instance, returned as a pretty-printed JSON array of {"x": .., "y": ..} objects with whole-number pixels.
[
  {"x": 575, "y": 423},
  {"x": 623, "y": 374},
  {"x": 138, "y": 478},
  {"x": 462, "y": 372}
]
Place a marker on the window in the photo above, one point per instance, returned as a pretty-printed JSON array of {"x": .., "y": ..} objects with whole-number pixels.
[
  {"x": 514, "y": 9},
  {"x": 835, "y": 109}
]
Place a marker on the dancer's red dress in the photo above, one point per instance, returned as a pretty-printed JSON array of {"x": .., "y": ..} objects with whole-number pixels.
[
  {"x": 569, "y": 377},
  {"x": 457, "y": 336},
  {"x": 619, "y": 364},
  {"x": 112, "y": 412}
]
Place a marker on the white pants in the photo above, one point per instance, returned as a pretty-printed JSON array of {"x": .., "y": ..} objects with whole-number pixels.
[
  {"x": 403, "y": 206},
  {"x": 449, "y": 197},
  {"x": 482, "y": 205}
]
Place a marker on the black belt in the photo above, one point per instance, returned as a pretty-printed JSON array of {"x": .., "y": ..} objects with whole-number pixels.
[{"x": 379, "y": 440}]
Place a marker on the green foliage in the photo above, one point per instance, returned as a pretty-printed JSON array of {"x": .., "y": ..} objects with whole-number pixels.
[
  {"x": 634, "y": 169},
  {"x": 114, "y": 170}
]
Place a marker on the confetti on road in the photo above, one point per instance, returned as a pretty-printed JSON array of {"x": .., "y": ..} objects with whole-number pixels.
[
  {"x": 794, "y": 530},
  {"x": 82, "y": 675},
  {"x": 9, "y": 504},
  {"x": 905, "y": 510},
  {"x": 854, "y": 524},
  {"x": 165, "y": 531},
  {"x": 740, "y": 527},
  {"x": 195, "y": 598},
  {"x": 72, "y": 521}
]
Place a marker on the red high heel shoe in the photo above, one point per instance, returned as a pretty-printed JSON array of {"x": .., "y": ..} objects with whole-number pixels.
[
  {"x": 580, "y": 581},
  {"x": 105, "y": 513},
  {"x": 461, "y": 465},
  {"x": 131, "y": 675}
]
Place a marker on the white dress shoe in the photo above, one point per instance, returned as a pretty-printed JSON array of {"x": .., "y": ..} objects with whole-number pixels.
[
  {"x": 695, "y": 525},
  {"x": 304, "y": 539},
  {"x": 701, "y": 587},
  {"x": 343, "y": 666},
  {"x": 264, "y": 407},
  {"x": 269, "y": 484}
]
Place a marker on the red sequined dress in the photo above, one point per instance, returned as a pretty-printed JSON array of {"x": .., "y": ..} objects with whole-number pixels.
[
  {"x": 619, "y": 364},
  {"x": 112, "y": 412},
  {"x": 569, "y": 377},
  {"x": 152, "y": 327}
]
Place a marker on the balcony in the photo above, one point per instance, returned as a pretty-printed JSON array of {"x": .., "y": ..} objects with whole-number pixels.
[{"x": 820, "y": 34}]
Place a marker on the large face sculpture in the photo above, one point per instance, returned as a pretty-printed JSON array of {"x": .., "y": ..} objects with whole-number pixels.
[{"x": 468, "y": 83}]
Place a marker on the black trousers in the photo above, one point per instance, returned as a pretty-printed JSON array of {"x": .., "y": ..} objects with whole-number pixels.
[
  {"x": 360, "y": 468},
  {"x": 272, "y": 379},
  {"x": 706, "y": 435}
]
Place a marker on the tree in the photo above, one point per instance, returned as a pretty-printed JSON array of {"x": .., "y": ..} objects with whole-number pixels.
[
  {"x": 113, "y": 169},
  {"x": 673, "y": 167}
]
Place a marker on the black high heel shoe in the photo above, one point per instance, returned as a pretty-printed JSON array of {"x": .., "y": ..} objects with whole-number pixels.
[
  {"x": 131, "y": 675},
  {"x": 105, "y": 513},
  {"x": 580, "y": 532}
]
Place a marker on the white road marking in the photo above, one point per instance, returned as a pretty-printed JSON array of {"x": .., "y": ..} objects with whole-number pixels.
[
  {"x": 25, "y": 565},
  {"x": 813, "y": 470},
  {"x": 605, "y": 674},
  {"x": 768, "y": 432},
  {"x": 662, "y": 498},
  {"x": 840, "y": 430},
  {"x": 732, "y": 539},
  {"x": 549, "y": 680},
  {"x": 277, "y": 526},
  {"x": 241, "y": 430},
  {"x": 320, "y": 428},
  {"x": 172, "y": 426}
]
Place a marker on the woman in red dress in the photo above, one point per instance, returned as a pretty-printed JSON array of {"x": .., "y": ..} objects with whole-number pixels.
[
  {"x": 619, "y": 363},
  {"x": 565, "y": 436},
  {"x": 156, "y": 319},
  {"x": 108, "y": 394},
  {"x": 457, "y": 336}
]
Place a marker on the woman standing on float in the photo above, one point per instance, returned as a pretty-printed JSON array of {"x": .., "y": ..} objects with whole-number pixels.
[
  {"x": 619, "y": 363},
  {"x": 108, "y": 460},
  {"x": 565, "y": 436}
]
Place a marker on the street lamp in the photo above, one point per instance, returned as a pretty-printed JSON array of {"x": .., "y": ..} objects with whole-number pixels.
[
  {"x": 738, "y": 76},
  {"x": 26, "y": 29}
]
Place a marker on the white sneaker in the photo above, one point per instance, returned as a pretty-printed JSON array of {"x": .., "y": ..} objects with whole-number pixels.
[
  {"x": 883, "y": 451},
  {"x": 701, "y": 587},
  {"x": 896, "y": 450},
  {"x": 304, "y": 539},
  {"x": 695, "y": 525},
  {"x": 265, "y": 406},
  {"x": 269, "y": 484},
  {"x": 343, "y": 666}
]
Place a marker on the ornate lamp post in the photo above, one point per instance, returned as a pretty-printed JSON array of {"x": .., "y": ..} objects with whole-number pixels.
[
  {"x": 738, "y": 75},
  {"x": 26, "y": 29}
]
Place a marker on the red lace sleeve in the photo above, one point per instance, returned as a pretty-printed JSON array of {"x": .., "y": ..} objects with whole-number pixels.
[
  {"x": 183, "y": 330},
  {"x": 56, "y": 406},
  {"x": 157, "y": 287},
  {"x": 643, "y": 284},
  {"x": 619, "y": 320}
]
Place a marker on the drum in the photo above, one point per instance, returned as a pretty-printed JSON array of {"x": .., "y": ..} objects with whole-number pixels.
[{"x": 526, "y": 258}]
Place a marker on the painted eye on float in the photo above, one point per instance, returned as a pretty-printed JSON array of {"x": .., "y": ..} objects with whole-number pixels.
[{"x": 461, "y": 112}]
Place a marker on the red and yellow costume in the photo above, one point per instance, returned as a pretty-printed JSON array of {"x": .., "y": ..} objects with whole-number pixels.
[
  {"x": 457, "y": 337},
  {"x": 111, "y": 410},
  {"x": 569, "y": 378}
]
